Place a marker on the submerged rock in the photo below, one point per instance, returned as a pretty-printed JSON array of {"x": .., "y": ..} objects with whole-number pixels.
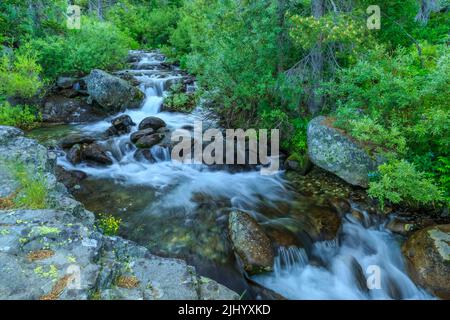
[
  {"x": 152, "y": 122},
  {"x": 250, "y": 243},
  {"x": 335, "y": 152},
  {"x": 144, "y": 155},
  {"x": 428, "y": 255},
  {"x": 112, "y": 93}
]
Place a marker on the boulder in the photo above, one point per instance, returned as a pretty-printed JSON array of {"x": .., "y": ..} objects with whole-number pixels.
[
  {"x": 152, "y": 122},
  {"x": 149, "y": 141},
  {"x": 96, "y": 153},
  {"x": 332, "y": 150},
  {"x": 250, "y": 243},
  {"x": 135, "y": 136},
  {"x": 120, "y": 125},
  {"x": 427, "y": 253},
  {"x": 61, "y": 109},
  {"x": 71, "y": 179},
  {"x": 112, "y": 93}
]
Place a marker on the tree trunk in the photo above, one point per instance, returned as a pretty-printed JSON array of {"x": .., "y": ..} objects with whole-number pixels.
[
  {"x": 426, "y": 7},
  {"x": 281, "y": 37},
  {"x": 315, "y": 101}
]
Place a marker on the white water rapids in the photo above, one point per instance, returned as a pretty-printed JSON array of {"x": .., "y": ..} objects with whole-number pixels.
[{"x": 332, "y": 271}]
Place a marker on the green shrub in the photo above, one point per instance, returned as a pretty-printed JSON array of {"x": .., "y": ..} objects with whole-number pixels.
[
  {"x": 400, "y": 182},
  {"x": 24, "y": 117},
  {"x": 19, "y": 74},
  {"x": 96, "y": 45},
  {"x": 33, "y": 191},
  {"x": 109, "y": 224}
]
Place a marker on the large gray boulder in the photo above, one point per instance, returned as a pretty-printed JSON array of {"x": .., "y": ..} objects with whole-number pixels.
[
  {"x": 334, "y": 151},
  {"x": 112, "y": 93}
]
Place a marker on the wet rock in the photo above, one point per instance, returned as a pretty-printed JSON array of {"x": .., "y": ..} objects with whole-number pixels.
[
  {"x": 72, "y": 140},
  {"x": 112, "y": 93},
  {"x": 144, "y": 154},
  {"x": 135, "y": 136},
  {"x": 300, "y": 164},
  {"x": 342, "y": 206},
  {"x": 75, "y": 154},
  {"x": 282, "y": 237},
  {"x": 152, "y": 122},
  {"x": 149, "y": 141},
  {"x": 66, "y": 82},
  {"x": 427, "y": 253},
  {"x": 63, "y": 109},
  {"x": 250, "y": 243},
  {"x": 96, "y": 153},
  {"x": 400, "y": 226},
  {"x": 335, "y": 152},
  {"x": 120, "y": 125}
]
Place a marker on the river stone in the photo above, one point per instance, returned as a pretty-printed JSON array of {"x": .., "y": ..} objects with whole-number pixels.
[
  {"x": 72, "y": 140},
  {"x": 427, "y": 253},
  {"x": 75, "y": 154},
  {"x": 149, "y": 141},
  {"x": 120, "y": 125},
  {"x": 135, "y": 136},
  {"x": 152, "y": 122},
  {"x": 66, "y": 82},
  {"x": 250, "y": 243},
  {"x": 96, "y": 153},
  {"x": 144, "y": 155},
  {"x": 335, "y": 152},
  {"x": 112, "y": 93},
  {"x": 300, "y": 164}
]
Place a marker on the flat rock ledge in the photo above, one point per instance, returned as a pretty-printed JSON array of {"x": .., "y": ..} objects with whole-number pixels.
[{"x": 58, "y": 253}]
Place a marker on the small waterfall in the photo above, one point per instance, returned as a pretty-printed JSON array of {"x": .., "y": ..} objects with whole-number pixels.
[
  {"x": 342, "y": 271},
  {"x": 160, "y": 154}
]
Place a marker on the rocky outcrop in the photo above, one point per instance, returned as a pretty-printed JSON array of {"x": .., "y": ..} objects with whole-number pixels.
[
  {"x": 149, "y": 141},
  {"x": 428, "y": 255},
  {"x": 250, "y": 243},
  {"x": 112, "y": 93},
  {"x": 335, "y": 152},
  {"x": 58, "y": 253}
]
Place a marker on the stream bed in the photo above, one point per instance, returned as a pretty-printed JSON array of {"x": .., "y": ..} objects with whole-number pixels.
[{"x": 181, "y": 210}]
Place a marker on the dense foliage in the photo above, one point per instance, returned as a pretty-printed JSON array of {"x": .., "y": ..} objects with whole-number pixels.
[{"x": 270, "y": 64}]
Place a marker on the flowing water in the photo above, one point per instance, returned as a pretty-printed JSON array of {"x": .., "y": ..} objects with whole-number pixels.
[{"x": 181, "y": 210}]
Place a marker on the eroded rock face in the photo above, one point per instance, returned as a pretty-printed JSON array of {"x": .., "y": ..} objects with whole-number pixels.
[
  {"x": 112, "y": 93},
  {"x": 333, "y": 151},
  {"x": 427, "y": 253},
  {"x": 250, "y": 243}
]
